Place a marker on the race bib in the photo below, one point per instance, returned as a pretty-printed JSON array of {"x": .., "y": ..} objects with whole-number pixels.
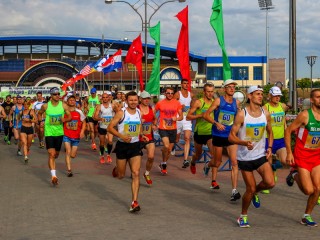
[
  {"x": 168, "y": 123},
  {"x": 185, "y": 110},
  {"x": 313, "y": 140},
  {"x": 55, "y": 119},
  {"x": 132, "y": 128},
  {"x": 226, "y": 117},
  {"x": 106, "y": 120},
  {"x": 92, "y": 104},
  {"x": 255, "y": 132},
  {"x": 146, "y": 128},
  {"x": 72, "y": 125},
  {"x": 277, "y": 119}
]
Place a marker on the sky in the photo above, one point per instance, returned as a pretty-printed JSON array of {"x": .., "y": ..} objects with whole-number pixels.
[{"x": 244, "y": 25}]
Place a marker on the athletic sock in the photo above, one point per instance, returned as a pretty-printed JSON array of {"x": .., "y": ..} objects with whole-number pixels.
[
  {"x": 147, "y": 173},
  {"x": 109, "y": 148},
  {"x": 53, "y": 173},
  {"x": 101, "y": 150}
]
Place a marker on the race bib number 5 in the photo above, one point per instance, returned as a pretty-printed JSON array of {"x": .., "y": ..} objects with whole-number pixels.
[{"x": 255, "y": 132}]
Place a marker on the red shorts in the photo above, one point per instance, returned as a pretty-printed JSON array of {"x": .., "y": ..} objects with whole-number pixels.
[{"x": 307, "y": 163}]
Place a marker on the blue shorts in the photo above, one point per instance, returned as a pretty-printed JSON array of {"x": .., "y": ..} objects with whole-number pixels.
[
  {"x": 277, "y": 144},
  {"x": 74, "y": 142}
]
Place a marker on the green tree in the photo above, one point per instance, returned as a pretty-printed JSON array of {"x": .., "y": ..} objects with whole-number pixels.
[{"x": 304, "y": 83}]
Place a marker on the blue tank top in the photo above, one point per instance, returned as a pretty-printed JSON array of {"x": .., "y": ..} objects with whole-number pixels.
[
  {"x": 225, "y": 115},
  {"x": 15, "y": 117}
]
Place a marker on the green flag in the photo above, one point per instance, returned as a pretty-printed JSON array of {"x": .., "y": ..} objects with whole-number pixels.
[
  {"x": 153, "y": 85},
  {"x": 216, "y": 21}
]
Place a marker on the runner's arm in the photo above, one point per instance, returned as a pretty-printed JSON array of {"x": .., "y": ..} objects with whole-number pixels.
[
  {"x": 194, "y": 106},
  {"x": 67, "y": 113},
  {"x": 233, "y": 138},
  {"x": 270, "y": 134},
  {"x": 213, "y": 106}
]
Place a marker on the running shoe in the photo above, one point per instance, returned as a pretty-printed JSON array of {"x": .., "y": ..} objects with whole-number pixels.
[
  {"x": 206, "y": 169},
  {"x": 26, "y": 159},
  {"x": 235, "y": 196},
  {"x": 41, "y": 145},
  {"x": 8, "y": 142},
  {"x": 114, "y": 172},
  {"x": 54, "y": 181},
  {"x": 109, "y": 159},
  {"x": 289, "y": 178},
  {"x": 93, "y": 146},
  {"x": 32, "y": 140},
  {"x": 185, "y": 164},
  {"x": 163, "y": 169},
  {"x": 173, "y": 152},
  {"x": 148, "y": 179},
  {"x": 69, "y": 173},
  {"x": 214, "y": 185},
  {"x": 267, "y": 191},
  {"x": 5, "y": 138},
  {"x": 243, "y": 222},
  {"x": 134, "y": 207},
  {"x": 307, "y": 220},
  {"x": 19, "y": 153},
  {"x": 256, "y": 201},
  {"x": 102, "y": 161},
  {"x": 193, "y": 168}
]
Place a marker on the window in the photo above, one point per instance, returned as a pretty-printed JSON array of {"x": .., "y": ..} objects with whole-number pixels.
[
  {"x": 214, "y": 73},
  {"x": 239, "y": 73},
  {"x": 257, "y": 73}
]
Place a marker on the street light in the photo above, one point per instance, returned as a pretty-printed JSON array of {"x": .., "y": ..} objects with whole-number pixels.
[
  {"x": 266, "y": 5},
  {"x": 311, "y": 61},
  {"x": 242, "y": 73},
  {"x": 145, "y": 20}
]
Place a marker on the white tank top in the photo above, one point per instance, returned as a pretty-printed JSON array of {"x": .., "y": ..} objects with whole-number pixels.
[
  {"x": 254, "y": 130},
  {"x": 186, "y": 102},
  {"x": 107, "y": 115},
  {"x": 130, "y": 125}
]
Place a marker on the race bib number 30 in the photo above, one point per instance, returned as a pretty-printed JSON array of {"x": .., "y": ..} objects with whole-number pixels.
[
  {"x": 255, "y": 132},
  {"x": 55, "y": 119},
  {"x": 313, "y": 140},
  {"x": 132, "y": 128},
  {"x": 226, "y": 117}
]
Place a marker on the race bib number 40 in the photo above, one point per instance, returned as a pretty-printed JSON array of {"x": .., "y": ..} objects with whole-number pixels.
[
  {"x": 255, "y": 132},
  {"x": 132, "y": 128},
  {"x": 55, "y": 119}
]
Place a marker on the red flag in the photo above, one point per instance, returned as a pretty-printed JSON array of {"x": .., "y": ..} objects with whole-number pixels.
[
  {"x": 183, "y": 45},
  {"x": 82, "y": 74},
  {"x": 134, "y": 56}
]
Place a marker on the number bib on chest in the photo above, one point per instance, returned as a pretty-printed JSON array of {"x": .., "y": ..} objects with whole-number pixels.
[
  {"x": 146, "y": 128},
  {"x": 185, "y": 110},
  {"x": 255, "y": 132},
  {"x": 106, "y": 120},
  {"x": 132, "y": 128},
  {"x": 226, "y": 117},
  {"x": 168, "y": 123},
  {"x": 277, "y": 119},
  {"x": 72, "y": 125},
  {"x": 55, "y": 119},
  {"x": 313, "y": 140}
]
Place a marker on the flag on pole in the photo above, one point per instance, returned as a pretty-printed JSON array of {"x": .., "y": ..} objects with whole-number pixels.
[
  {"x": 82, "y": 74},
  {"x": 134, "y": 56},
  {"x": 183, "y": 45},
  {"x": 153, "y": 85},
  {"x": 97, "y": 67},
  {"x": 112, "y": 63},
  {"x": 216, "y": 21}
]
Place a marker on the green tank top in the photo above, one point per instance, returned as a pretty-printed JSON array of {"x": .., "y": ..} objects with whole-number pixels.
[
  {"x": 92, "y": 103},
  {"x": 277, "y": 115},
  {"x": 313, "y": 124},
  {"x": 202, "y": 126},
  {"x": 53, "y": 124}
]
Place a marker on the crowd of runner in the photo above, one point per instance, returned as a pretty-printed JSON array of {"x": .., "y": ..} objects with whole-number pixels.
[{"x": 253, "y": 135}]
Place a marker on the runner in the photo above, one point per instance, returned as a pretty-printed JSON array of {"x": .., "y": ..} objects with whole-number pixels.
[
  {"x": 73, "y": 132},
  {"x": 104, "y": 113},
  {"x": 170, "y": 111},
  {"x": 93, "y": 100},
  {"x": 225, "y": 108},
  {"x": 40, "y": 124},
  {"x": 148, "y": 126},
  {"x": 184, "y": 97},
  {"x": 306, "y": 154},
  {"x": 202, "y": 132},
  {"x": 3, "y": 114},
  {"x": 53, "y": 128},
  {"x": 15, "y": 124},
  {"x": 7, "y": 105},
  {"x": 127, "y": 148},
  {"x": 248, "y": 131},
  {"x": 27, "y": 117}
]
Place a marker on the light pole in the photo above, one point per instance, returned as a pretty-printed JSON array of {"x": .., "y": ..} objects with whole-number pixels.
[
  {"x": 311, "y": 61},
  {"x": 145, "y": 20},
  {"x": 242, "y": 73},
  {"x": 266, "y": 5}
]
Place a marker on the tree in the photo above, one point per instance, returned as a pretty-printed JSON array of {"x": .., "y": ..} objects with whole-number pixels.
[{"x": 303, "y": 84}]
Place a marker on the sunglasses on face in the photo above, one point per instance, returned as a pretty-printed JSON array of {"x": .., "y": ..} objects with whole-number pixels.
[
  {"x": 55, "y": 94},
  {"x": 169, "y": 93}
]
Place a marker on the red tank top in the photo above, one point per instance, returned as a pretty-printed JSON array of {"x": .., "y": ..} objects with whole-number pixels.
[
  {"x": 72, "y": 128},
  {"x": 147, "y": 123}
]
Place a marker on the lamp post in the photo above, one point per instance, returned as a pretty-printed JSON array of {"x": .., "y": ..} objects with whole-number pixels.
[
  {"x": 311, "y": 61},
  {"x": 145, "y": 20},
  {"x": 266, "y": 5},
  {"x": 242, "y": 73}
]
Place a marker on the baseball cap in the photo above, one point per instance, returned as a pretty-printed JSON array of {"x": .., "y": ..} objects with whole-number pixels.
[
  {"x": 19, "y": 96},
  {"x": 145, "y": 94},
  {"x": 254, "y": 88},
  {"x": 275, "y": 91},
  {"x": 108, "y": 92},
  {"x": 229, "y": 81},
  {"x": 54, "y": 90},
  {"x": 93, "y": 90}
]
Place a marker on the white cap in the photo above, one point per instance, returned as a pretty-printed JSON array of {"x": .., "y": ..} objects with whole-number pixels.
[
  {"x": 275, "y": 91},
  {"x": 254, "y": 88},
  {"x": 161, "y": 97},
  {"x": 229, "y": 81},
  {"x": 145, "y": 94},
  {"x": 108, "y": 92}
]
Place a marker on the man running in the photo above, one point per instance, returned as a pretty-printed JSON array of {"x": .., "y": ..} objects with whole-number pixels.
[
  {"x": 225, "y": 108},
  {"x": 184, "y": 96},
  {"x": 93, "y": 101},
  {"x": 104, "y": 113},
  {"x": 39, "y": 125},
  {"x": 7, "y": 105},
  {"x": 170, "y": 111},
  {"x": 73, "y": 132},
  {"x": 248, "y": 131},
  {"x": 57, "y": 113},
  {"x": 202, "y": 132},
  {"x": 14, "y": 122},
  {"x": 148, "y": 125},
  {"x": 127, "y": 148},
  {"x": 306, "y": 156}
]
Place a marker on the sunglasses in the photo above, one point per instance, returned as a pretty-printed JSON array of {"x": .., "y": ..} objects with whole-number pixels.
[
  {"x": 55, "y": 94},
  {"x": 169, "y": 93}
]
